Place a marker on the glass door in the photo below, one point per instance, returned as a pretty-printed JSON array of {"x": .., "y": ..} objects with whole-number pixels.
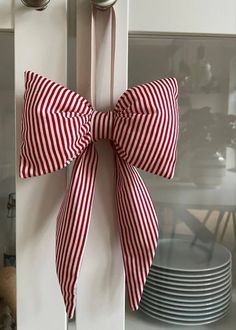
[
  {"x": 192, "y": 279},
  {"x": 7, "y": 182}
]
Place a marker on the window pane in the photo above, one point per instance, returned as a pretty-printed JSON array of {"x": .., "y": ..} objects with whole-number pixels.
[
  {"x": 7, "y": 182},
  {"x": 199, "y": 204}
]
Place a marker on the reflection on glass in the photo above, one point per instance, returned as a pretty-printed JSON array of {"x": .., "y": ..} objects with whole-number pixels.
[
  {"x": 7, "y": 183},
  {"x": 200, "y": 202}
]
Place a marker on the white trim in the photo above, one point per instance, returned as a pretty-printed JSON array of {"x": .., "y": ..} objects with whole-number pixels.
[
  {"x": 191, "y": 16},
  {"x": 6, "y": 14},
  {"x": 40, "y": 46}
]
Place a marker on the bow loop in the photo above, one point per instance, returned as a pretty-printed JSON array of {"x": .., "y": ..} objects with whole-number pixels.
[
  {"x": 146, "y": 126},
  {"x": 55, "y": 126}
]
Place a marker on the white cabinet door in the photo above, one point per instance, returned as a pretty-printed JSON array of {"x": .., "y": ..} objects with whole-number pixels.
[{"x": 40, "y": 46}]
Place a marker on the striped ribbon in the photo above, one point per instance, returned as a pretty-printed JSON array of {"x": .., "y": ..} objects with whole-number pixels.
[{"x": 59, "y": 125}]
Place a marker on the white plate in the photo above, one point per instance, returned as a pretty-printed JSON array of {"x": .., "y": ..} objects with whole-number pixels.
[
  {"x": 185, "y": 317},
  {"x": 192, "y": 273},
  {"x": 186, "y": 303},
  {"x": 188, "y": 278},
  {"x": 189, "y": 293},
  {"x": 182, "y": 255},
  {"x": 201, "y": 313},
  {"x": 180, "y": 283},
  {"x": 187, "y": 287},
  {"x": 183, "y": 322},
  {"x": 190, "y": 299},
  {"x": 178, "y": 307}
]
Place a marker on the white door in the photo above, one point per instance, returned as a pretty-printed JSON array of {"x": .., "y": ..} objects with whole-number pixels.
[
  {"x": 196, "y": 42},
  {"x": 41, "y": 46}
]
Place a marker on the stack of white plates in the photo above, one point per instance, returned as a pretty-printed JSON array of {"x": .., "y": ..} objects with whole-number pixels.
[{"x": 188, "y": 284}]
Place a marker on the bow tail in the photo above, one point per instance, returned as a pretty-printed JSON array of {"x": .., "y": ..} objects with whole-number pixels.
[
  {"x": 138, "y": 226},
  {"x": 73, "y": 224}
]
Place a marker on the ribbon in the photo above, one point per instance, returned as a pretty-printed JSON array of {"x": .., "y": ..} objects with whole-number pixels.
[{"x": 59, "y": 126}]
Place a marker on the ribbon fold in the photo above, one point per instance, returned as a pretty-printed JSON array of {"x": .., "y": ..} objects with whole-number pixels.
[{"x": 59, "y": 125}]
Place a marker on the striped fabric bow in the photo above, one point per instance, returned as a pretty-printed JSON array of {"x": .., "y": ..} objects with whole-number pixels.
[{"x": 59, "y": 125}]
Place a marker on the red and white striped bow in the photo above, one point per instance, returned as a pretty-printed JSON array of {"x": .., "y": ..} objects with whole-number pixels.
[{"x": 59, "y": 126}]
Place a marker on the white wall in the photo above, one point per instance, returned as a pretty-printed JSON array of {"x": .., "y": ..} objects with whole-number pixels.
[{"x": 199, "y": 16}]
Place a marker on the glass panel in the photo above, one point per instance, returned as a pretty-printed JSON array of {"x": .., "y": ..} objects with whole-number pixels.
[
  {"x": 199, "y": 205},
  {"x": 7, "y": 182}
]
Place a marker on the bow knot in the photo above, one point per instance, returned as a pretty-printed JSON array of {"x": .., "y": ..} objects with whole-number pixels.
[
  {"x": 59, "y": 126},
  {"x": 102, "y": 125}
]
